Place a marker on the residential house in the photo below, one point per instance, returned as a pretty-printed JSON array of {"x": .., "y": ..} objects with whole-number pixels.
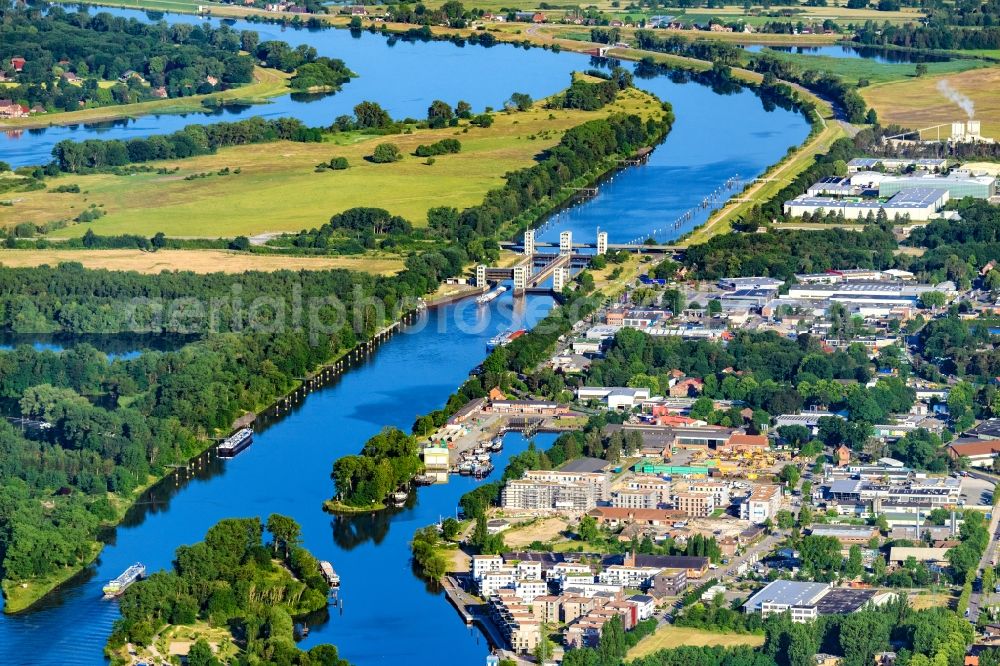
[
  {"x": 687, "y": 387},
  {"x": 9, "y": 109}
]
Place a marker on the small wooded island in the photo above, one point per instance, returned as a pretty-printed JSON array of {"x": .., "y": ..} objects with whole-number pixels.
[{"x": 231, "y": 598}]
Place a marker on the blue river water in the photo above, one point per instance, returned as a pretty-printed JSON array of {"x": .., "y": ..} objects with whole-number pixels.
[
  {"x": 389, "y": 614},
  {"x": 884, "y": 56}
]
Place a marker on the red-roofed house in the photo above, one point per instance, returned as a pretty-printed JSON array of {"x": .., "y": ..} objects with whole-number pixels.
[
  {"x": 18, "y": 63},
  {"x": 739, "y": 443},
  {"x": 9, "y": 109},
  {"x": 980, "y": 452},
  {"x": 687, "y": 387}
]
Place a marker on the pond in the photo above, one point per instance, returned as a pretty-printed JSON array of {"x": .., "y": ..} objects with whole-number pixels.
[
  {"x": 118, "y": 346},
  {"x": 884, "y": 56}
]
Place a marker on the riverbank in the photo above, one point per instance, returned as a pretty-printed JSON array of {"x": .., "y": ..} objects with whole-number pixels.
[
  {"x": 267, "y": 83},
  {"x": 275, "y": 186},
  {"x": 532, "y": 35},
  {"x": 770, "y": 182},
  {"x": 21, "y": 595}
]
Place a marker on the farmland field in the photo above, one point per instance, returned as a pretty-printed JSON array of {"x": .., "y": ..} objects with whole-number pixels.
[
  {"x": 919, "y": 103},
  {"x": 278, "y": 189},
  {"x": 669, "y": 636},
  {"x": 197, "y": 261}
]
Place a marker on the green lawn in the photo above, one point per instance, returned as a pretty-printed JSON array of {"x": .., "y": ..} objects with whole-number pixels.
[{"x": 853, "y": 69}]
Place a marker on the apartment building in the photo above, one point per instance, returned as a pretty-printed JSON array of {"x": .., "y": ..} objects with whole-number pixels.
[
  {"x": 696, "y": 505},
  {"x": 556, "y": 490},
  {"x": 547, "y": 496},
  {"x": 671, "y": 582},
  {"x": 624, "y": 576},
  {"x": 635, "y": 499},
  {"x": 650, "y": 482},
  {"x": 517, "y": 621},
  {"x": 762, "y": 504}
]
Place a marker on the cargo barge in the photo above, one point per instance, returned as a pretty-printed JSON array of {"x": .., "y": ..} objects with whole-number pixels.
[
  {"x": 235, "y": 443},
  {"x": 491, "y": 295},
  {"x": 117, "y": 586},
  {"x": 504, "y": 339}
]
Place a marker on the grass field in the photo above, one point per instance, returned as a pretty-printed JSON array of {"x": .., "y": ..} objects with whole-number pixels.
[
  {"x": 669, "y": 636},
  {"x": 267, "y": 83},
  {"x": 544, "y": 529},
  {"x": 919, "y": 103},
  {"x": 932, "y": 600},
  {"x": 198, "y": 261},
  {"x": 853, "y": 69},
  {"x": 278, "y": 188}
]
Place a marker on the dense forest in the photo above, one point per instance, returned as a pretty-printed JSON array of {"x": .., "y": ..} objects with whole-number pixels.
[
  {"x": 233, "y": 580},
  {"x": 959, "y": 25},
  {"x": 782, "y": 253},
  {"x": 67, "y": 56},
  {"x": 593, "y": 95},
  {"x": 116, "y": 425},
  {"x": 97, "y": 154},
  {"x": 386, "y": 463}
]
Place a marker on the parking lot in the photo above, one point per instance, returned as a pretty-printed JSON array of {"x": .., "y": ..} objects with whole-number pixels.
[{"x": 976, "y": 492}]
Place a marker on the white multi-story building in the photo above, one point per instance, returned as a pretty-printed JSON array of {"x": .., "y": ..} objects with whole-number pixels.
[
  {"x": 563, "y": 569},
  {"x": 763, "y": 503},
  {"x": 635, "y": 499},
  {"x": 492, "y": 582},
  {"x": 483, "y": 563},
  {"x": 530, "y": 588},
  {"x": 634, "y": 577}
]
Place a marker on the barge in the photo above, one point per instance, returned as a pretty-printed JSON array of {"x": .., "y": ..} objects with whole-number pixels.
[
  {"x": 504, "y": 339},
  {"x": 490, "y": 295},
  {"x": 332, "y": 579},
  {"x": 118, "y": 586},
  {"x": 235, "y": 443}
]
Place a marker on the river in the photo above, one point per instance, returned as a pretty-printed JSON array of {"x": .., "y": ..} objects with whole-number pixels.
[{"x": 389, "y": 615}]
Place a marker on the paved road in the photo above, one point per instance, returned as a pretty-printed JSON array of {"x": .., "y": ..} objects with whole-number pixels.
[{"x": 976, "y": 601}]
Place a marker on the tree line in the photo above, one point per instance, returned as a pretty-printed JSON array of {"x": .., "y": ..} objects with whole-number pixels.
[{"x": 97, "y": 154}]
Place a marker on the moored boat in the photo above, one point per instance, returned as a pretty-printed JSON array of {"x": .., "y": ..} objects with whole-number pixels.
[
  {"x": 236, "y": 442},
  {"x": 332, "y": 579}
]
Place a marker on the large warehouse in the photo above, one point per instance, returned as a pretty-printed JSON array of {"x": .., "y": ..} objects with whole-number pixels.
[
  {"x": 958, "y": 184},
  {"x": 920, "y": 204}
]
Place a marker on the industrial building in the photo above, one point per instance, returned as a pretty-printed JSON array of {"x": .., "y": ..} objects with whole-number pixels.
[
  {"x": 915, "y": 202},
  {"x": 860, "y": 164},
  {"x": 806, "y": 601},
  {"x": 979, "y": 452},
  {"x": 846, "y": 534},
  {"x": 796, "y": 597},
  {"x": 958, "y": 184},
  {"x": 885, "y": 293}
]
